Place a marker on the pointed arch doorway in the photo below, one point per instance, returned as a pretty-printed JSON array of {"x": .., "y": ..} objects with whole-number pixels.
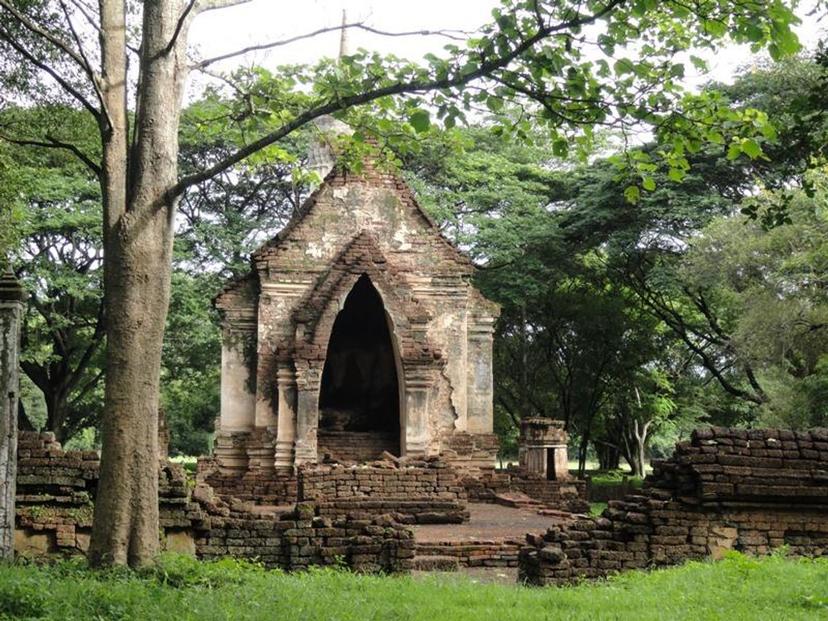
[{"x": 360, "y": 390}]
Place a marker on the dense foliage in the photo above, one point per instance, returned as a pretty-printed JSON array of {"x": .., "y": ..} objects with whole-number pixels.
[{"x": 703, "y": 302}]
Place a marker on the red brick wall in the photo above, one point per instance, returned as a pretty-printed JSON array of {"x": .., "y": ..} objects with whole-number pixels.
[
  {"x": 725, "y": 489},
  {"x": 353, "y": 447}
]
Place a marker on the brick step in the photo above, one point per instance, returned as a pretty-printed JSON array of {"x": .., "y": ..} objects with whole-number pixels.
[
  {"x": 435, "y": 563},
  {"x": 472, "y": 553},
  {"x": 517, "y": 500}
]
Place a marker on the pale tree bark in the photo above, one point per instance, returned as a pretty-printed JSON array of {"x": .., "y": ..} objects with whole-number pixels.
[
  {"x": 138, "y": 245},
  {"x": 641, "y": 432}
]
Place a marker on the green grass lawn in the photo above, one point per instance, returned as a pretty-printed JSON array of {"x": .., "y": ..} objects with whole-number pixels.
[{"x": 181, "y": 589}]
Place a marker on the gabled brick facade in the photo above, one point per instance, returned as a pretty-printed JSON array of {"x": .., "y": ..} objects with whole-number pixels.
[{"x": 279, "y": 322}]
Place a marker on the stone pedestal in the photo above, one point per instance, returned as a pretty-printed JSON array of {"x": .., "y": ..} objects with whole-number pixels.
[
  {"x": 230, "y": 450},
  {"x": 542, "y": 448},
  {"x": 11, "y": 312}
]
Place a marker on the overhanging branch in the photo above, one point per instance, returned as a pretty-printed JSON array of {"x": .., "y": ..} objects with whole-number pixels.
[
  {"x": 41, "y": 32},
  {"x": 52, "y": 143},
  {"x": 450, "y": 34},
  {"x": 486, "y": 67},
  {"x": 63, "y": 82}
]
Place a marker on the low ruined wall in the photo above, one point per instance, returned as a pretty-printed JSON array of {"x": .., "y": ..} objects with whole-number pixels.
[
  {"x": 567, "y": 494},
  {"x": 55, "y": 489},
  {"x": 354, "y": 447},
  {"x": 301, "y": 538},
  {"x": 264, "y": 488},
  {"x": 751, "y": 491},
  {"x": 471, "y": 451},
  {"x": 429, "y": 492},
  {"x": 474, "y": 553},
  {"x": 55, "y": 499}
]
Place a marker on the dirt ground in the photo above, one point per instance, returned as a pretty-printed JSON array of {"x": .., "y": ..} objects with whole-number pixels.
[{"x": 488, "y": 523}]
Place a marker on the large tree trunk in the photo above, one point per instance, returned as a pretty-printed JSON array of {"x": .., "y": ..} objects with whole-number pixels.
[
  {"x": 609, "y": 455},
  {"x": 56, "y": 412},
  {"x": 126, "y": 508},
  {"x": 138, "y": 244}
]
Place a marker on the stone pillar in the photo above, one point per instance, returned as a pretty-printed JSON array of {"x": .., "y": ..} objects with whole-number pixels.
[
  {"x": 418, "y": 383},
  {"x": 238, "y": 393},
  {"x": 542, "y": 448},
  {"x": 286, "y": 428},
  {"x": 238, "y": 379},
  {"x": 11, "y": 312},
  {"x": 479, "y": 382},
  {"x": 307, "y": 415}
]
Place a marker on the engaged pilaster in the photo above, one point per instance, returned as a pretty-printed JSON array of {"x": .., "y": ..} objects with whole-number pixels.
[{"x": 11, "y": 312}]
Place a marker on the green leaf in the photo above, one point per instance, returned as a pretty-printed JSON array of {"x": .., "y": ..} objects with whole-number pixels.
[
  {"x": 751, "y": 148},
  {"x": 420, "y": 120},
  {"x": 734, "y": 151},
  {"x": 715, "y": 137},
  {"x": 632, "y": 194},
  {"x": 623, "y": 65},
  {"x": 495, "y": 104},
  {"x": 649, "y": 184},
  {"x": 715, "y": 27}
]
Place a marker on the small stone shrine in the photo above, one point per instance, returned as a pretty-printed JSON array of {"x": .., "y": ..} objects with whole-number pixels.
[{"x": 542, "y": 448}]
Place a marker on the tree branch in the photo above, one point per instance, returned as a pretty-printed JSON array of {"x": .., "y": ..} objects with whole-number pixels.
[
  {"x": 450, "y": 34},
  {"x": 486, "y": 67},
  {"x": 213, "y": 5},
  {"x": 34, "y": 28},
  {"x": 182, "y": 19},
  {"x": 63, "y": 82},
  {"x": 52, "y": 143}
]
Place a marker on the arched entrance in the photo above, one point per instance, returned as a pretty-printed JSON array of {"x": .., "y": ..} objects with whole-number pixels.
[{"x": 359, "y": 394}]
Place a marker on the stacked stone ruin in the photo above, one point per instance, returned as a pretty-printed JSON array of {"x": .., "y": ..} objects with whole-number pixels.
[
  {"x": 55, "y": 499},
  {"x": 752, "y": 491},
  {"x": 725, "y": 489},
  {"x": 417, "y": 490},
  {"x": 428, "y": 493}
]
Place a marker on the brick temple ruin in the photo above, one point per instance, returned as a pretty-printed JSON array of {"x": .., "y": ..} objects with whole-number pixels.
[
  {"x": 357, "y": 331},
  {"x": 358, "y": 339}
]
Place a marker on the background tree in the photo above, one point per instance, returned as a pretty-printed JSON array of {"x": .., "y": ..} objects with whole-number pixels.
[{"x": 59, "y": 258}]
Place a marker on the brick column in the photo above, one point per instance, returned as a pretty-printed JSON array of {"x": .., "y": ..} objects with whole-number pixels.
[
  {"x": 11, "y": 312},
  {"x": 479, "y": 382},
  {"x": 307, "y": 413}
]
